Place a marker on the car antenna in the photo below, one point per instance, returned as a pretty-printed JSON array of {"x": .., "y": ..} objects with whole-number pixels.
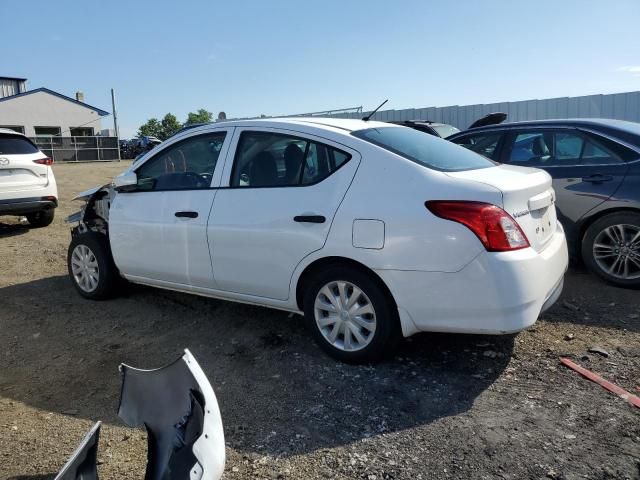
[{"x": 367, "y": 117}]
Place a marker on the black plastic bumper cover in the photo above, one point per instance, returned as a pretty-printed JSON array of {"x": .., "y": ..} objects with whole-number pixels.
[{"x": 22, "y": 206}]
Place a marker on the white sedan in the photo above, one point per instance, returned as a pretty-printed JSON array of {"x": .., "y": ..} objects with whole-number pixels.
[{"x": 373, "y": 231}]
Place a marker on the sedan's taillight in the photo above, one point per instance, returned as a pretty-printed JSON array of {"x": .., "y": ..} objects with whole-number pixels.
[
  {"x": 495, "y": 228},
  {"x": 44, "y": 161}
]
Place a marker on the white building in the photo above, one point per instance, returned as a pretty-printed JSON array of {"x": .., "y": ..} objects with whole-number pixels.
[{"x": 43, "y": 112}]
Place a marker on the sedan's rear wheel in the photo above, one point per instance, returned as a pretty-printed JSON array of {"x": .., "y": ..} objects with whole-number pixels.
[
  {"x": 351, "y": 315},
  {"x": 91, "y": 267},
  {"x": 611, "y": 248}
]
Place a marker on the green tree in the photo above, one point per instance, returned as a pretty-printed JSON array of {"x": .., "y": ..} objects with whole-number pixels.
[
  {"x": 153, "y": 128},
  {"x": 161, "y": 129},
  {"x": 170, "y": 125},
  {"x": 201, "y": 116}
]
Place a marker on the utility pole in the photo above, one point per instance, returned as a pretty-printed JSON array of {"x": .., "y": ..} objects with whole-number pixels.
[{"x": 115, "y": 120}]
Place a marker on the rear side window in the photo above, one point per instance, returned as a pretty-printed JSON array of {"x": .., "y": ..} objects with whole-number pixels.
[
  {"x": 560, "y": 148},
  {"x": 16, "y": 145},
  {"x": 427, "y": 150},
  {"x": 485, "y": 144},
  {"x": 265, "y": 159}
]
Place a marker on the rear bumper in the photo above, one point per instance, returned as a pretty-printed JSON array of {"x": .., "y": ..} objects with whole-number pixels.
[
  {"x": 22, "y": 206},
  {"x": 496, "y": 293}
]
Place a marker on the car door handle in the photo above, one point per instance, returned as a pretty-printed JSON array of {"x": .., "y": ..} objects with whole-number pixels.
[
  {"x": 187, "y": 214},
  {"x": 309, "y": 219},
  {"x": 597, "y": 178}
]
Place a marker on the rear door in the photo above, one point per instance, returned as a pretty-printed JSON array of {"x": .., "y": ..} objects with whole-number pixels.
[
  {"x": 585, "y": 168},
  {"x": 281, "y": 192},
  {"x": 18, "y": 171}
]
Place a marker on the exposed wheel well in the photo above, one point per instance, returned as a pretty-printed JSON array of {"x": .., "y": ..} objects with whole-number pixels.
[
  {"x": 593, "y": 218},
  {"x": 322, "y": 263}
]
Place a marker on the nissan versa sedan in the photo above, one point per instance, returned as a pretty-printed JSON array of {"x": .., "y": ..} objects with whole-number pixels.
[
  {"x": 595, "y": 165},
  {"x": 27, "y": 185},
  {"x": 372, "y": 231}
]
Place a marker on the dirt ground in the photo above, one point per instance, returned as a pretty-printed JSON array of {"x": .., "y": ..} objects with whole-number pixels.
[{"x": 447, "y": 406}]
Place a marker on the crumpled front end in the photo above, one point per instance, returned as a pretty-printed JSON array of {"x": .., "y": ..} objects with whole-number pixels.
[{"x": 94, "y": 215}]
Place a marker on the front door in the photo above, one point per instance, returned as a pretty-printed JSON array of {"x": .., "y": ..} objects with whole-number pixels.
[
  {"x": 158, "y": 231},
  {"x": 281, "y": 194}
]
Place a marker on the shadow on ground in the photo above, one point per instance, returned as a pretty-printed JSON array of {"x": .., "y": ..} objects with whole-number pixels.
[
  {"x": 12, "y": 229},
  {"x": 278, "y": 393},
  {"x": 588, "y": 300}
]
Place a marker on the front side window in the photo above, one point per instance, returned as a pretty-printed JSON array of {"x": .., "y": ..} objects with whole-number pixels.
[
  {"x": 485, "y": 144},
  {"x": 186, "y": 165},
  {"x": 559, "y": 148},
  {"x": 427, "y": 150},
  {"x": 266, "y": 159}
]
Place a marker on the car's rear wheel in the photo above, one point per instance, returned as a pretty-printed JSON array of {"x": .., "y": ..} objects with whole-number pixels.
[
  {"x": 611, "y": 248},
  {"x": 91, "y": 267},
  {"x": 41, "y": 218},
  {"x": 351, "y": 315}
]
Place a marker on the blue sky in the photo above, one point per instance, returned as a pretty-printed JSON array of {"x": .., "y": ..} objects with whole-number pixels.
[{"x": 282, "y": 56}]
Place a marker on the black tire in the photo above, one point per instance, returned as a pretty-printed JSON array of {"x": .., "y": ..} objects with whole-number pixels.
[
  {"x": 631, "y": 221},
  {"x": 108, "y": 277},
  {"x": 387, "y": 332},
  {"x": 42, "y": 218}
]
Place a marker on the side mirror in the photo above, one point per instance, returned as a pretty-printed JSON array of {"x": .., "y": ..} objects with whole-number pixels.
[{"x": 126, "y": 181}]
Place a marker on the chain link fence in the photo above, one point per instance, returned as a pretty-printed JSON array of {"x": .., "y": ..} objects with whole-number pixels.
[{"x": 79, "y": 149}]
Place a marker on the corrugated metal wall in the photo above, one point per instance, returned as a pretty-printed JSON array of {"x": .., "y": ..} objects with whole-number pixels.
[
  {"x": 11, "y": 86},
  {"x": 621, "y": 106}
]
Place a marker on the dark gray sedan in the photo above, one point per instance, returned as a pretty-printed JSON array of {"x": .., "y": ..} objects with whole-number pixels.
[{"x": 595, "y": 165}]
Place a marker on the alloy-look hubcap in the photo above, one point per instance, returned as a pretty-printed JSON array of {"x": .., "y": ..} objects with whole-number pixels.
[
  {"x": 616, "y": 250},
  {"x": 84, "y": 267},
  {"x": 345, "y": 316}
]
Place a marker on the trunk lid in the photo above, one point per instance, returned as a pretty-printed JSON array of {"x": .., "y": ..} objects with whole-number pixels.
[{"x": 527, "y": 196}]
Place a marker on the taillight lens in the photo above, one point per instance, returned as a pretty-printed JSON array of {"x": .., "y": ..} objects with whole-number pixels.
[
  {"x": 44, "y": 161},
  {"x": 495, "y": 228}
]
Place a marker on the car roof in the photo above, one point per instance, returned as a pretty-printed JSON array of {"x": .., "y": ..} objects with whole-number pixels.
[
  {"x": 334, "y": 124},
  {"x": 631, "y": 127}
]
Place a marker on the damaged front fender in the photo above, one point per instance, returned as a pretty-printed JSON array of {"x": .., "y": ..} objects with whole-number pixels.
[{"x": 94, "y": 215}]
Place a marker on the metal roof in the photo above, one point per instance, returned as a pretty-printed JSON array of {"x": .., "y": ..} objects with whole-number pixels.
[{"x": 100, "y": 112}]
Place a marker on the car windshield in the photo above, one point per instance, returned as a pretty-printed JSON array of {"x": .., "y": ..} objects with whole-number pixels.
[
  {"x": 425, "y": 149},
  {"x": 445, "y": 130},
  {"x": 15, "y": 145}
]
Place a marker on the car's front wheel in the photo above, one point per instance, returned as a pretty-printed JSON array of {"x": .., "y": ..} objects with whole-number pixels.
[
  {"x": 611, "y": 248},
  {"x": 351, "y": 315},
  {"x": 91, "y": 267},
  {"x": 41, "y": 218}
]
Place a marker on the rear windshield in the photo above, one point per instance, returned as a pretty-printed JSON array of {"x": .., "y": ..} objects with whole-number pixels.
[
  {"x": 425, "y": 149},
  {"x": 15, "y": 145}
]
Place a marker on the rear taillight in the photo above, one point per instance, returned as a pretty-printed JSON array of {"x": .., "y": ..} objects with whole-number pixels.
[
  {"x": 495, "y": 228},
  {"x": 44, "y": 161}
]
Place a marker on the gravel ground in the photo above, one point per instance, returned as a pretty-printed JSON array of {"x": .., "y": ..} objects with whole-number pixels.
[{"x": 447, "y": 406}]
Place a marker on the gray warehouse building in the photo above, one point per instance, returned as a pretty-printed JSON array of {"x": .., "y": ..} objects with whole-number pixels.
[{"x": 43, "y": 112}]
